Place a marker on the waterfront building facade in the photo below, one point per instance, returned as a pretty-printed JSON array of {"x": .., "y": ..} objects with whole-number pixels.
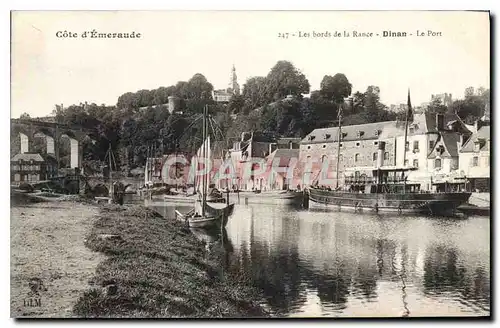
[
  {"x": 474, "y": 159},
  {"x": 359, "y": 149}
]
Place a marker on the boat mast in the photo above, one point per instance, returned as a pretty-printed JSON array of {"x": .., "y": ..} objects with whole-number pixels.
[
  {"x": 406, "y": 139},
  {"x": 204, "y": 194},
  {"x": 110, "y": 176},
  {"x": 339, "y": 115}
]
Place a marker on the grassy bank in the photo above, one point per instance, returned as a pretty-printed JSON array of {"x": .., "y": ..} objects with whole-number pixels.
[{"x": 155, "y": 267}]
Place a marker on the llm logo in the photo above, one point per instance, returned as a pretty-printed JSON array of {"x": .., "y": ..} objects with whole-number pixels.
[{"x": 34, "y": 298}]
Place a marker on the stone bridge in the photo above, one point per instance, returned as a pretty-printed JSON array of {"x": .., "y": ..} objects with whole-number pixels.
[
  {"x": 30, "y": 129},
  {"x": 92, "y": 182}
]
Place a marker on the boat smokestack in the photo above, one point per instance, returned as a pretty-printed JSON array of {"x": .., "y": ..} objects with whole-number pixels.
[{"x": 380, "y": 154}]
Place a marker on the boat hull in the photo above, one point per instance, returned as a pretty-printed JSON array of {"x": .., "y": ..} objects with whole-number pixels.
[
  {"x": 274, "y": 198},
  {"x": 208, "y": 222},
  {"x": 423, "y": 203}
]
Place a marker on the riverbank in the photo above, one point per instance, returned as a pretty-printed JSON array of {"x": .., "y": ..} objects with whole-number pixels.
[
  {"x": 50, "y": 265},
  {"x": 155, "y": 267}
]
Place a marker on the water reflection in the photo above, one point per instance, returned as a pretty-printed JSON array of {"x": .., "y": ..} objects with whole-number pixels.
[{"x": 337, "y": 264}]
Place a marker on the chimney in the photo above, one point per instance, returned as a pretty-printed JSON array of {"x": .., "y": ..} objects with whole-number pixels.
[
  {"x": 271, "y": 147},
  {"x": 479, "y": 124},
  {"x": 380, "y": 155},
  {"x": 440, "y": 122},
  {"x": 291, "y": 144}
]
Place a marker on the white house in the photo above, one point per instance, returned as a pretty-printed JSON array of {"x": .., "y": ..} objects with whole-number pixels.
[{"x": 474, "y": 159}]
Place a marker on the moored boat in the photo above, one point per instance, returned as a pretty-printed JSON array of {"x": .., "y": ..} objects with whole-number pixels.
[
  {"x": 387, "y": 188},
  {"x": 205, "y": 215}
]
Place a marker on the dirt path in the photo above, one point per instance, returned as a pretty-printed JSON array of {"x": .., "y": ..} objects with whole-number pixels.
[{"x": 50, "y": 266}]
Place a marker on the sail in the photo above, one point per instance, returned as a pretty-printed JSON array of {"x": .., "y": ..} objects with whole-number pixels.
[{"x": 203, "y": 157}]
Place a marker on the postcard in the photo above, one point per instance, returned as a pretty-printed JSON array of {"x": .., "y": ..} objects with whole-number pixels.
[{"x": 250, "y": 164}]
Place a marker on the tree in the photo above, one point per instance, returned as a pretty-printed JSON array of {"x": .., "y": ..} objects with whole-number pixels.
[
  {"x": 24, "y": 116},
  {"x": 253, "y": 93},
  {"x": 198, "y": 88},
  {"x": 335, "y": 88},
  {"x": 128, "y": 100},
  {"x": 236, "y": 104},
  {"x": 161, "y": 95},
  {"x": 284, "y": 79},
  {"x": 436, "y": 106},
  {"x": 469, "y": 92},
  {"x": 372, "y": 103}
]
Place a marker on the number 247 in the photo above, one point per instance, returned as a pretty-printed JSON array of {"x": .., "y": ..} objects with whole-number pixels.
[{"x": 283, "y": 35}]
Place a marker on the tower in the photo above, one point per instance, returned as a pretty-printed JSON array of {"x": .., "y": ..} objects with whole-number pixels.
[{"x": 234, "y": 87}]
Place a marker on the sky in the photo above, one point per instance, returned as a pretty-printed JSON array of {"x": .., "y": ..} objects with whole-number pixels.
[{"x": 47, "y": 70}]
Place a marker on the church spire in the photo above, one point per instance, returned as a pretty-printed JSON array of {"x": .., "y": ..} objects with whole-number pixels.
[{"x": 233, "y": 84}]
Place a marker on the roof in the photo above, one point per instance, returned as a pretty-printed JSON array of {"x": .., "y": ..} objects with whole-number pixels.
[
  {"x": 382, "y": 168},
  {"x": 283, "y": 141},
  {"x": 430, "y": 120},
  {"x": 28, "y": 157},
  {"x": 450, "y": 141},
  {"x": 482, "y": 133},
  {"x": 350, "y": 132},
  {"x": 284, "y": 155},
  {"x": 222, "y": 92}
]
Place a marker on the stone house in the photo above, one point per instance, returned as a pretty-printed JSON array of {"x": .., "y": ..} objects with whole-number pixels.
[
  {"x": 29, "y": 168},
  {"x": 359, "y": 148}
]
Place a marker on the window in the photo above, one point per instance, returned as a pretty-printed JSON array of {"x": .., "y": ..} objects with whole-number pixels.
[
  {"x": 358, "y": 144},
  {"x": 416, "y": 127},
  {"x": 324, "y": 146},
  {"x": 406, "y": 162},
  {"x": 477, "y": 146},
  {"x": 308, "y": 157},
  {"x": 407, "y": 147},
  {"x": 375, "y": 143},
  {"x": 360, "y": 134},
  {"x": 341, "y": 158},
  {"x": 475, "y": 161},
  {"x": 356, "y": 157},
  {"x": 386, "y": 156},
  {"x": 412, "y": 130},
  {"x": 341, "y": 144},
  {"x": 431, "y": 144},
  {"x": 323, "y": 158},
  {"x": 415, "y": 162},
  {"x": 437, "y": 163},
  {"x": 308, "y": 147},
  {"x": 415, "y": 146},
  {"x": 377, "y": 132},
  {"x": 327, "y": 136},
  {"x": 375, "y": 156}
]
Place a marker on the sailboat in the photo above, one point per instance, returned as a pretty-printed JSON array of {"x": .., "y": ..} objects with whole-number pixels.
[{"x": 205, "y": 215}]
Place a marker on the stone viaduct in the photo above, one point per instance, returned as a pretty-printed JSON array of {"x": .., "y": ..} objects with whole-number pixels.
[{"x": 29, "y": 129}]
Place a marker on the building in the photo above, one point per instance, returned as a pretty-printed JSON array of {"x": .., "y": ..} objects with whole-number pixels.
[
  {"x": 254, "y": 150},
  {"x": 224, "y": 95},
  {"x": 474, "y": 159},
  {"x": 276, "y": 177},
  {"x": 359, "y": 149},
  {"x": 445, "y": 98},
  {"x": 30, "y": 168}
]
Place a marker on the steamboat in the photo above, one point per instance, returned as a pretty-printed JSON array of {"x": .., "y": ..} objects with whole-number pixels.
[{"x": 388, "y": 189}]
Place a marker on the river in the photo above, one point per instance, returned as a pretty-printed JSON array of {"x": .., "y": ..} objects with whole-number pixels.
[{"x": 328, "y": 264}]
